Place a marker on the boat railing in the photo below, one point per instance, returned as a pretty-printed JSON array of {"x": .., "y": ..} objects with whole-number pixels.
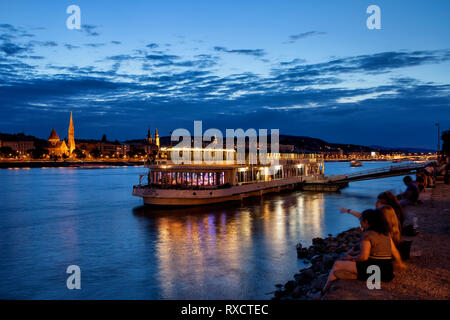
[
  {"x": 141, "y": 176},
  {"x": 185, "y": 187}
]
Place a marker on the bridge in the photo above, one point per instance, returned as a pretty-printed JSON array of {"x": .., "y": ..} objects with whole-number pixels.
[{"x": 336, "y": 182}]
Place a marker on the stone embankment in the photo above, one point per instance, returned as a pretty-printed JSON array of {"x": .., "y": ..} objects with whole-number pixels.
[
  {"x": 427, "y": 275},
  {"x": 320, "y": 256}
]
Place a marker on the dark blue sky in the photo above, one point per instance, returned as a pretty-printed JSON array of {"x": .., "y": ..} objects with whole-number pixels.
[{"x": 304, "y": 67}]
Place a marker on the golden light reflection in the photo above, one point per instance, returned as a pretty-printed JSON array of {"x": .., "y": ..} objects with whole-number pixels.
[
  {"x": 193, "y": 244},
  {"x": 189, "y": 246},
  {"x": 310, "y": 215}
]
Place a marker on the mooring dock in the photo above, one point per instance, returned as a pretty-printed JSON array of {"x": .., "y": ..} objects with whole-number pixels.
[{"x": 337, "y": 182}]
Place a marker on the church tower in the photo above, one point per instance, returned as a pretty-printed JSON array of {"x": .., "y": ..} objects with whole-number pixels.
[
  {"x": 157, "y": 137},
  {"x": 149, "y": 137},
  {"x": 71, "y": 142}
]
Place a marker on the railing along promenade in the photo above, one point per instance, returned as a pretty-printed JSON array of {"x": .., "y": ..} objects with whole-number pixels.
[{"x": 391, "y": 171}]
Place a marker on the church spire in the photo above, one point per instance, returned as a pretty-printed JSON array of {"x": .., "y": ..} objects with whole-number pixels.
[
  {"x": 71, "y": 142},
  {"x": 156, "y": 137}
]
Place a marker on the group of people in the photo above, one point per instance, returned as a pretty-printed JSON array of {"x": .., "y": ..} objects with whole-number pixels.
[{"x": 382, "y": 229}]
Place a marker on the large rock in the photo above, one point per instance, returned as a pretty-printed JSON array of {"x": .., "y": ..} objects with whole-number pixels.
[
  {"x": 328, "y": 260},
  {"x": 290, "y": 286},
  {"x": 317, "y": 241},
  {"x": 298, "y": 292},
  {"x": 302, "y": 253},
  {"x": 319, "y": 283},
  {"x": 308, "y": 273}
]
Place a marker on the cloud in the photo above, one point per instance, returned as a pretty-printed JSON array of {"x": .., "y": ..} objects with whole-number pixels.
[
  {"x": 94, "y": 45},
  {"x": 294, "y": 107},
  {"x": 372, "y": 64},
  {"x": 152, "y": 45},
  {"x": 292, "y": 62},
  {"x": 8, "y": 27},
  {"x": 44, "y": 43},
  {"x": 12, "y": 49},
  {"x": 250, "y": 52},
  {"x": 10, "y": 32},
  {"x": 90, "y": 30},
  {"x": 32, "y": 57},
  {"x": 161, "y": 57},
  {"x": 293, "y": 95},
  {"x": 71, "y": 47},
  {"x": 304, "y": 35},
  {"x": 122, "y": 57}
]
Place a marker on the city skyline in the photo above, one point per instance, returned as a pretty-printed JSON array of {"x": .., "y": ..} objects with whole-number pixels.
[{"x": 231, "y": 65}]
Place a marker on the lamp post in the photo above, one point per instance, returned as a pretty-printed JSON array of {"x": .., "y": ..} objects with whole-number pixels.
[{"x": 438, "y": 136}]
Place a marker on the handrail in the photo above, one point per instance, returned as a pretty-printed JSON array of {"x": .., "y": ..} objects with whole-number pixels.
[{"x": 392, "y": 169}]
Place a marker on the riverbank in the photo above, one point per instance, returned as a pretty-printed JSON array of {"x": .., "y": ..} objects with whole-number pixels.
[
  {"x": 428, "y": 270},
  {"x": 74, "y": 164}
]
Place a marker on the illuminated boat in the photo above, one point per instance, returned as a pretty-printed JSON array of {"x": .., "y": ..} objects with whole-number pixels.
[
  {"x": 355, "y": 163},
  {"x": 170, "y": 184}
]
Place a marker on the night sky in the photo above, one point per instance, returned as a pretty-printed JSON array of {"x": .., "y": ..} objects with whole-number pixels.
[{"x": 308, "y": 68}]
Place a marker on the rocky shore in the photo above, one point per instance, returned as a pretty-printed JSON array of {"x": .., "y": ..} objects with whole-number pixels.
[
  {"x": 320, "y": 256},
  {"x": 427, "y": 275}
]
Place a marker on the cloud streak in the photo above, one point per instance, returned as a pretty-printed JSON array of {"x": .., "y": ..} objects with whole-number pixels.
[
  {"x": 249, "y": 52},
  {"x": 293, "y": 38}
]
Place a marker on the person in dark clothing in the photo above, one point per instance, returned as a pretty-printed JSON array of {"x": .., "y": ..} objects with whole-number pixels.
[{"x": 411, "y": 194}]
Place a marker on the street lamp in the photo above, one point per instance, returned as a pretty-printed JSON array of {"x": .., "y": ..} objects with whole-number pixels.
[{"x": 438, "y": 136}]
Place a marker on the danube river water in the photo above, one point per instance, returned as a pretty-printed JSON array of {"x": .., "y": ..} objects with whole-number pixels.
[{"x": 55, "y": 217}]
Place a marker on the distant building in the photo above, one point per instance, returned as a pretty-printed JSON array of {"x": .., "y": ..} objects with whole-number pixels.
[
  {"x": 149, "y": 137},
  {"x": 286, "y": 147},
  {"x": 113, "y": 148},
  {"x": 21, "y": 147},
  {"x": 56, "y": 147},
  {"x": 147, "y": 146}
]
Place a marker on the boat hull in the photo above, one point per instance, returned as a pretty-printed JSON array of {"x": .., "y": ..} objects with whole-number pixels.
[{"x": 174, "y": 197}]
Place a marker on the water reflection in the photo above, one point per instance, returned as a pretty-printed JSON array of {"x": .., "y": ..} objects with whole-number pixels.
[
  {"x": 214, "y": 249},
  {"x": 50, "y": 219}
]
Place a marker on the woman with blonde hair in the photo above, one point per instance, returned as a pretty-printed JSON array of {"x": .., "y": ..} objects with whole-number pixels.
[
  {"x": 392, "y": 221},
  {"x": 388, "y": 198}
]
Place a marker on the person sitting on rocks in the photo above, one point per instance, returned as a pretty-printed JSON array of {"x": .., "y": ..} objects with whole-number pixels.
[
  {"x": 411, "y": 194},
  {"x": 377, "y": 248}
]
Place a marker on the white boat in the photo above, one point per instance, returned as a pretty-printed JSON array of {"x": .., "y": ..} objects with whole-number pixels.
[{"x": 170, "y": 184}]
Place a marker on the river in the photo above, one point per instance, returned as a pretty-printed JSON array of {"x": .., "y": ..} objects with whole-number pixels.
[{"x": 51, "y": 218}]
